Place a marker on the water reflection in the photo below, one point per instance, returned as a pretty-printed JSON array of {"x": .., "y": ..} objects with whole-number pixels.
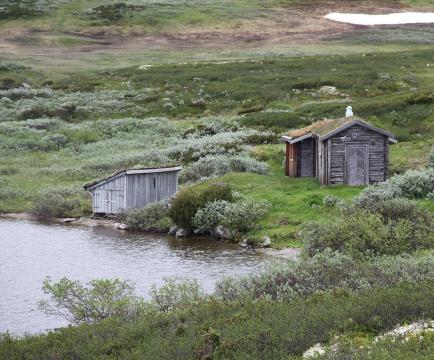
[{"x": 31, "y": 251}]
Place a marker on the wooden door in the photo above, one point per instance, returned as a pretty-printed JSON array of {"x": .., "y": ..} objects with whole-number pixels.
[
  {"x": 96, "y": 201},
  {"x": 357, "y": 164}
]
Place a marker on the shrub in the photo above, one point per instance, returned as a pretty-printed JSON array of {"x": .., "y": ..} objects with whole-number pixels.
[
  {"x": 153, "y": 217},
  {"x": 324, "y": 272},
  {"x": 99, "y": 300},
  {"x": 411, "y": 184},
  {"x": 9, "y": 192},
  {"x": 219, "y": 165},
  {"x": 58, "y": 202},
  {"x": 243, "y": 215},
  {"x": 24, "y": 93},
  {"x": 176, "y": 293},
  {"x": 8, "y": 171},
  {"x": 331, "y": 200},
  {"x": 238, "y": 217},
  {"x": 35, "y": 112},
  {"x": 209, "y": 217},
  {"x": 373, "y": 194},
  {"x": 364, "y": 233},
  {"x": 414, "y": 183},
  {"x": 189, "y": 200},
  {"x": 431, "y": 158},
  {"x": 235, "y": 330},
  {"x": 395, "y": 209},
  {"x": 195, "y": 146}
]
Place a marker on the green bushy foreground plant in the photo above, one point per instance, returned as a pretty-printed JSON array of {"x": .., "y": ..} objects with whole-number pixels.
[
  {"x": 153, "y": 217},
  {"x": 236, "y": 330},
  {"x": 97, "y": 301}
]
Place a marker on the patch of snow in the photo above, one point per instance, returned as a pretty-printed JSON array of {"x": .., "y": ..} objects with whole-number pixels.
[{"x": 388, "y": 19}]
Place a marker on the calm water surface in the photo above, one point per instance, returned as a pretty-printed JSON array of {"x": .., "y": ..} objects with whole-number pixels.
[{"x": 31, "y": 251}]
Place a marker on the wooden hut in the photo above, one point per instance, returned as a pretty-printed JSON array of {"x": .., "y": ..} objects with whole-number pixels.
[
  {"x": 347, "y": 150},
  {"x": 132, "y": 188}
]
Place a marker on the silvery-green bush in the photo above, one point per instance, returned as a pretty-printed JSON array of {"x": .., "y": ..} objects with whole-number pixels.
[
  {"x": 176, "y": 293},
  {"x": 195, "y": 146},
  {"x": 323, "y": 272},
  {"x": 412, "y": 184},
  {"x": 59, "y": 202},
  {"x": 238, "y": 217},
  {"x": 209, "y": 217},
  {"x": 218, "y": 165},
  {"x": 25, "y": 93},
  {"x": 331, "y": 200},
  {"x": 153, "y": 217},
  {"x": 34, "y": 103}
]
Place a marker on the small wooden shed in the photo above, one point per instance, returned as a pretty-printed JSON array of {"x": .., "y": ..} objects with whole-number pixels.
[
  {"x": 347, "y": 150},
  {"x": 133, "y": 188}
]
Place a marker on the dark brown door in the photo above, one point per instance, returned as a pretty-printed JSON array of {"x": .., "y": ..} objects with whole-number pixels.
[{"x": 357, "y": 164}]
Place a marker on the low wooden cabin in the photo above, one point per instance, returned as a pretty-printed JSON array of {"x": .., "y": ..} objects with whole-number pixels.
[
  {"x": 133, "y": 188},
  {"x": 348, "y": 150}
]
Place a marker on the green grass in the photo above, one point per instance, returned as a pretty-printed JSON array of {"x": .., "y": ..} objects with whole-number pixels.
[{"x": 295, "y": 202}]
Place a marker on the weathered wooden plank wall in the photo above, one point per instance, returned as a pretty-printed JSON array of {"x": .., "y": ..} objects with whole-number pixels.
[
  {"x": 133, "y": 191},
  {"x": 377, "y": 153},
  {"x": 143, "y": 189}
]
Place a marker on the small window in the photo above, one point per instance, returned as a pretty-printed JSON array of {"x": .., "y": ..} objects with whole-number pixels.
[{"x": 154, "y": 183}]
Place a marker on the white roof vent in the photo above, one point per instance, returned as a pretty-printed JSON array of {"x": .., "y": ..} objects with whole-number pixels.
[{"x": 349, "y": 112}]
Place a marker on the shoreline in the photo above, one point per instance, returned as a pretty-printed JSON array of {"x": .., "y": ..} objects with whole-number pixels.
[{"x": 286, "y": 253}]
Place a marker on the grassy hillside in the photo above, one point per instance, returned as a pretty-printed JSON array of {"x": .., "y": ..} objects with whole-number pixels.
[
  {"x": 90, "y": 87},
  {"x": 68, "y": 129},
  {"x": 70, "y": 35}
]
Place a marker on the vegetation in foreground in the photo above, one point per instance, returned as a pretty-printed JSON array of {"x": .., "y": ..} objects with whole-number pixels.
[{"x": 211, "y": 328}]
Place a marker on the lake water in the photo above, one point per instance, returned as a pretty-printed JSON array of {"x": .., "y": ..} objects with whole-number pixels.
[{"x": 30, "y": 251}]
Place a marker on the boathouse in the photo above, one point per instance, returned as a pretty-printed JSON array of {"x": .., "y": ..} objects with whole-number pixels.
[
  {"x": 133, "y": 188},
  {"x": 347, "y": 150}
]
